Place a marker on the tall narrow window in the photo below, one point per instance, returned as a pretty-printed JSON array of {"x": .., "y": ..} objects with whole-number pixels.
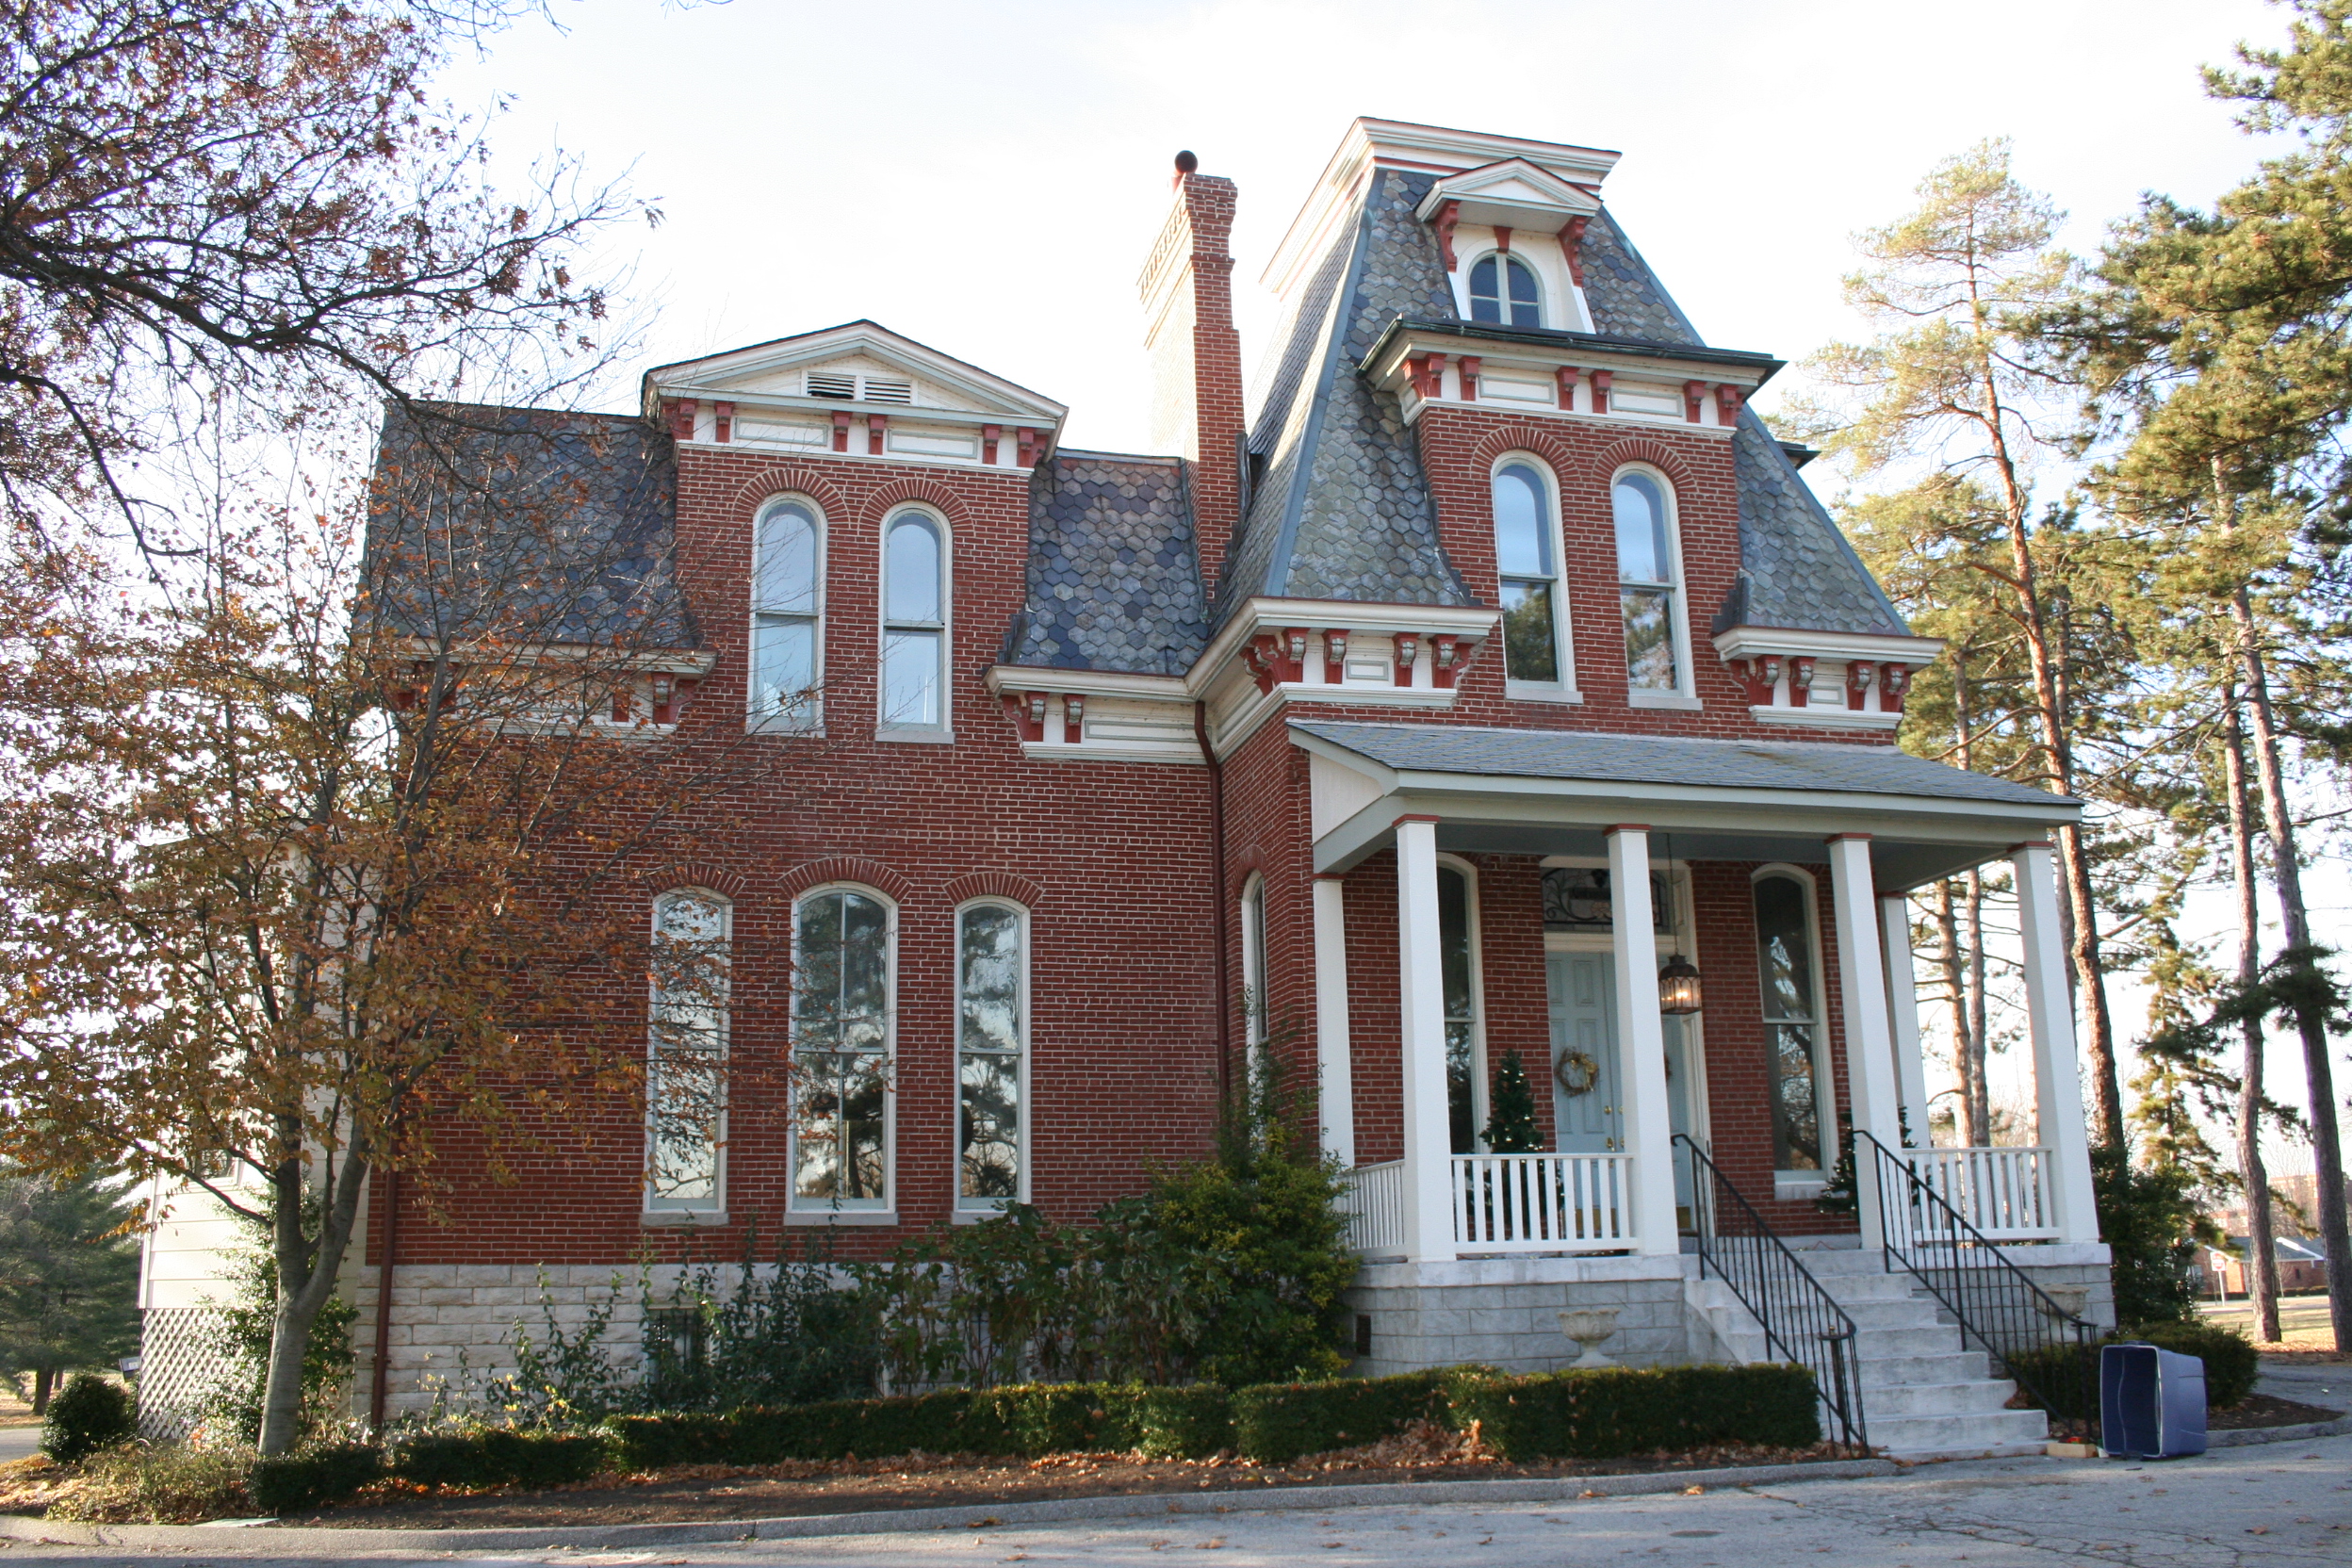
[
  {"x": 1784, "y": 936},
  {"x": 841, "y": 1052},
  {"x": 914, "y": 624},
  {"x": 1502, "y": 290},
  {"x": 1254, "y": 977},
  {"x": 686, "y": 1053},
  {"x": 991, "y": 1034},
  {"x": 1457, "y": 965},
  {"x": 1525, "y": 559},
  {"x": 786, "y": 615},
  {"x": 1645, "y": 582}
]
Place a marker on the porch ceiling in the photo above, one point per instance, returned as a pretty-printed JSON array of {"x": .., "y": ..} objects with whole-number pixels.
[{"x": 1553, "y": 792}]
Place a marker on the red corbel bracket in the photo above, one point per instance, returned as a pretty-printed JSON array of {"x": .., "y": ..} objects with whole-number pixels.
[
  {"x": 1893, "y": 688},
  {"x": 1447, "y": 216},
  {"x": 1800, "y": 682},
  {"x": 1693, "y": 394},
  {"x": 989, "y": 436},
  {"x": 681, "y": 412},
  {"x": 1408, "y": 654},
  {"x": 1861, "y": 673},
  {"x": 1470, "y": 363},
  {"x": 1601, "y": 379},
  {"x": 726, "y": 413},
  {"x": 1334, "y": 655},
  {"x": 1571, "y": 249},
  {"x": 1727, "y": 401},
  {"x": 1027, "y": 711},
  {"x": 841, "y": 432},
  {"x": 1263, "y": 657},
  {"x": 1751, "y": 677},
  {"x": 1445, "y": 660}
]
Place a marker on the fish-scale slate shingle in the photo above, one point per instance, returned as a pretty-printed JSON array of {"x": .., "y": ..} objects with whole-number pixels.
[
  {"x": 1626, "y": 299},
  {"x": 528, "y": 525},
  {"x": 1114, "y": 573},
  {"x": 1797, "y": 568}
]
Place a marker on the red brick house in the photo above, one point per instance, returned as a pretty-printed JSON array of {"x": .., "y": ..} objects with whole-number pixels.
[{"x": 1414, "y": 703}]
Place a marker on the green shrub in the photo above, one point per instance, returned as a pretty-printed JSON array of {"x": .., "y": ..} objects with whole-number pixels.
[
  {"x": 322, "y": 1475},
  {"x": 2149, "y": 1219},
  {"x": 169, "y": 1485},
  {"x": 1275, "y": 1423},
  {"x": 2231, "y": 1363},
  {"x": 500, "y": 1456},
  {"x": 91, "y": 1414},
  {"x": 1620, "y": 1410},
  {"x": 1192, "y": 1422},
  {"x": 2061, "y": 1379},
  {"x": 686, "y": 1437}
]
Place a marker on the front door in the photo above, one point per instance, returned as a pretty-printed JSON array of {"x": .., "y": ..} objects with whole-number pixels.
[{"x": 1584, "y": 1074}]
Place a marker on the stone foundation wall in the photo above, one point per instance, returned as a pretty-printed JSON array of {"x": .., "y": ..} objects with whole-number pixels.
[
  {"x": 1505, "y": 1313},
  {"x": 2058, "y": 1266}
]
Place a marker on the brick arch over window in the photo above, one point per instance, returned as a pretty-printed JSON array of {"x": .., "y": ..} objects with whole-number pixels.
[
  {"x": 1636, "y": 450},
  {"x": 847, "y": 868},
  {"x": 783, "y": 478},
  {"x": 919, "y": 492},
  {"x": 1532, "y": 439},
  {"x": 694, "y": 873},
  {"x": 995, "y": 884}
]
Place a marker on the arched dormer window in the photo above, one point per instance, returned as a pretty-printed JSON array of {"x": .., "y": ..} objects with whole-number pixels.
[
  {"x": 1503, "y": 290},
  {"x": 914, "y": 623},
  {"x": 1527, "y": 561},
  {"x": 786, "y": 614},
  {"x": 1649, "y": 585}
]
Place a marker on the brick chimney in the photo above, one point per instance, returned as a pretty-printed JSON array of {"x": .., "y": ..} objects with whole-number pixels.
[{"x": 1187, "y": 289}]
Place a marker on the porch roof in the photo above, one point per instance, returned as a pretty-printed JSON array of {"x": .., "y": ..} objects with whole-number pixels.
[
  {"x": 1660, "y": 760},
  {"x": 1555, "y": 792}
]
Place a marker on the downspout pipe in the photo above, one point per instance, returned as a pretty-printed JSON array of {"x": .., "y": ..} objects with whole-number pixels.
[{"x": 1216, "y": 889}]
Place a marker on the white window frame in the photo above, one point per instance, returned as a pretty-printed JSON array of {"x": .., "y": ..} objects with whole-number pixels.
[
  {"x": 1254, "y": 1007},
  {"x": 980, "y": 1208},
  {"x": 812, "y": 722},
  {"x": 813, "y": 1211},
  {"x": 918, "y": 733},
  {"x": 1564, "y": 635},
  {"x": 1824, "y": 1084},
  {"x": 1481, "y": 1092},
  {"x": 1685, "y": 694},
  {"x": 1503, "y": 259},
  {"x": 682, "y": 1210}
]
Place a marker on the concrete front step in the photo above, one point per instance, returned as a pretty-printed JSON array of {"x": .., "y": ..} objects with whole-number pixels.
[
  {"x": 1970, "y": 1397},
  {"x": 1953, "y": 1436}
]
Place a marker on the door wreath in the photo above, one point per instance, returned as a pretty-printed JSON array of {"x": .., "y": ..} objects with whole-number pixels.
[{"x": 1578, "y": 1073}]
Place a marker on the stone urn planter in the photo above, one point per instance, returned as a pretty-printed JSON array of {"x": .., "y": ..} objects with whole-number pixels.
[
  {"x": 1589, "y": 1327},
  {"x": 2070, "y": 1300}
]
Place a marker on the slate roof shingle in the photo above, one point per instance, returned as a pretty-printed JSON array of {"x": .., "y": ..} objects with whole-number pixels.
[{"x": 1114, "y": 569}]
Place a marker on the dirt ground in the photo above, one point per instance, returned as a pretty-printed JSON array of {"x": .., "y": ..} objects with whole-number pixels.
[{"x": 720, "y": 1492}]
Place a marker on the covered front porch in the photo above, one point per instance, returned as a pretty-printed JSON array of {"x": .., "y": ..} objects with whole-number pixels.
[{"x": 1531, "y": 885}]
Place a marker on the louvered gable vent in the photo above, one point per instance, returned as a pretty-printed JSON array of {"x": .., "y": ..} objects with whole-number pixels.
[
  {"x": 832, "y": 384},
  {"x": 887, "y": 390}
]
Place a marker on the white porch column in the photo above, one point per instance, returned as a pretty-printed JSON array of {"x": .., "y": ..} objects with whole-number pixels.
[
  {"x": 2050, "y": 1016},
  {"x": 1642, "y": 1041},
  {"x": 1902, "y": 1006},
  {"x": 1421, "y": 1003},
  {"x": 1335, "y": 1068},
  {"x": 1870, "y": 1049}
]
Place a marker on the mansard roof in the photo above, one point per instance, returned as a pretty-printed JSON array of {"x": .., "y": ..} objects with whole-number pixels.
[
  {"x": 526, "y": 525},
  {"x": 1342, "y": 510},
  {"x": 1114, "y": 568}
]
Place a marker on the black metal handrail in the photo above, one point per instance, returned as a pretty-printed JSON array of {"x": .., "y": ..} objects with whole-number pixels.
[
  {"x": 1802, "y": 1321},
  {"x": 2047, "y": 1349}
]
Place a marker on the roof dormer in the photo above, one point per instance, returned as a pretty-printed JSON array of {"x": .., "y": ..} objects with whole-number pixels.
[
  {"x": 856, "y": 390},
  {"x": 1510, "y": 195}
]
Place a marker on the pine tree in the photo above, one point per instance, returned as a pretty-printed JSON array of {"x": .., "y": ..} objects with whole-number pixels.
[
  {"x": 69, "y": 1283},
  {"x": 1512, "y": 1128}
]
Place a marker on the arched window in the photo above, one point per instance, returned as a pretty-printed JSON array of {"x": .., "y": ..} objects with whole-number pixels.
[
  {"x": 1789, "y": 968},
  {"x": 1526, "y": 560},
  {"x": 914, "y": 623},
  {"x": 992, "y": 1055},
  {"x": 1648, "y": 581},
  {"x": 844, "y": 974},
  {"x": 1458, "y": 964},
  {"x": 1253, "y": 970},
  {"x": 686, "y": 1052},
  {"x": 786, "y": 614},
  {"x": 1502, "y": 290}
]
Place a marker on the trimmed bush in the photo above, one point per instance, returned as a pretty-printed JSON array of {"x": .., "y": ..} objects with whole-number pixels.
[
  {"x": 657, "y": 1442},
  {"x": 89, "y": 1414},
  {"x": 172, "y": 1484},
  {"x": 1275, "y": 1423},
  {"x": 2231, "y": 1363},
  {"x": 499, "y": 1455},
  {"x": 1622, "y": 1410},
  {"x": 1179, "y": 1423},
  {"x": 2061, "y": 1379},
  {"x": 321, "y": 1474}
]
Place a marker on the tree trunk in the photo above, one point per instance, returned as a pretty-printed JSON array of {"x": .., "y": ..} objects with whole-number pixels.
[
  {"x": 307, "y": 1271},
  {"x": 1969, "y": 988},
  {"x": 2261, "y": 1248},
  {"x": 45, "y": 1381},
  {"x": 1970, "y": 1131}
]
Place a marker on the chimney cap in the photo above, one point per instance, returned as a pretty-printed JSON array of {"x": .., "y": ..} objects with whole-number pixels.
[{"x": 1186, "y": 163}]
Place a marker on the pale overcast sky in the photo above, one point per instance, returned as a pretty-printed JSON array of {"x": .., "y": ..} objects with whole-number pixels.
[{"x": 987, "y": 178}]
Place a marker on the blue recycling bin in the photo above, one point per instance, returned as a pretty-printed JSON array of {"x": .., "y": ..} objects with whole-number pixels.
[{"x": 2152, "y": 1403}]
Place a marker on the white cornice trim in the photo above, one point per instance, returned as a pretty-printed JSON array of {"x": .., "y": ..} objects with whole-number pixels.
[
  {"x": 1242, "y": 721},
  {"x": 1474, "y": 188},
  {"x": 700, "y": 378},
  {"x": 1747, "y": 642},
  {"x": 1810, "y": 718},
  {"x": 912, "y": 460},
  {"x": 1187, "y": 756},
  {"x": 1000, "y": 678},
  {"x": 1388, "y": 371},
  {"x": 1267, "y": 614}
]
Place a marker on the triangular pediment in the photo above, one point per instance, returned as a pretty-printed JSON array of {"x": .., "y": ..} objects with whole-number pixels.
[
  {"x": 1514, "y": 193},
  {"x": 859, "y": 363}
]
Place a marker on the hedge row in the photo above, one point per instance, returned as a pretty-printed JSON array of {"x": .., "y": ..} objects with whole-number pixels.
[
  {"x": 2071, "y": 1378},
  {"x": 1596, "y": 1415}
]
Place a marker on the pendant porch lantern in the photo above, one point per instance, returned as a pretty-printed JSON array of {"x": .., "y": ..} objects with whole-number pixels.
[{"x": 1678, "y": 992}]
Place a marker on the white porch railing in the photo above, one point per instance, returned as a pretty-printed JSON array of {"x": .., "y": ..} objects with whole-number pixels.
[
  {"x": 1506, "y": 1204},
  {"x": 1376, "y": 1208},
  {"x": 2003, "y": 1192}
]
